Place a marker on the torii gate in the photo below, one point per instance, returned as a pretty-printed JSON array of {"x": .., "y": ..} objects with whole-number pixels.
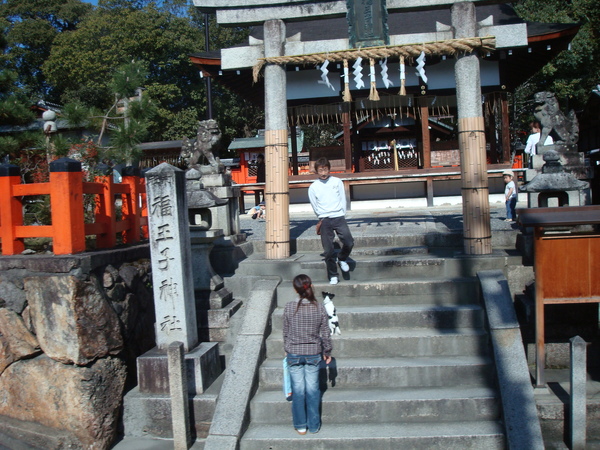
[{"x": 273, "y": 13}]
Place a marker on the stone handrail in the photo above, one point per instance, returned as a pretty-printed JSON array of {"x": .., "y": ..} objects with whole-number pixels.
[
  {"x": 521, "y": 422},
  {"x": 232, "y": 413}
]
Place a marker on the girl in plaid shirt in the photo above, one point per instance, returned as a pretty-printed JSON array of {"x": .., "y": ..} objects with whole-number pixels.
[{"x": 307, "y": 341}]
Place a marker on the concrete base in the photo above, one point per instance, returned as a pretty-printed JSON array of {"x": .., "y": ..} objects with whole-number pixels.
[
  {"x": 149, "y": 415},
  {"x": 203, "y": 367},
  {"x": 574, "y": 197},
  {"x": 226, "y": 217},
  {"x": 567, "y": 159}
]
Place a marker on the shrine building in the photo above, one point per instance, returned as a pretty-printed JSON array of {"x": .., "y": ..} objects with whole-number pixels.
[{"x": 397, "y": 115}]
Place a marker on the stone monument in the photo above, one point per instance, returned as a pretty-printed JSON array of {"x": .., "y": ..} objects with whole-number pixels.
[
  {"x": 213, "y": 210},
  {"x": 557, "y": 168},
  {"x": 173, "y": 284},
  {"x": 212, "y": 178}
]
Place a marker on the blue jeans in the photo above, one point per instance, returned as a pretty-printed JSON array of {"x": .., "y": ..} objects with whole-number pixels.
[
  {"x": 306, "y": 395},
  {"x": 329, "y": 227},
  {"x": 511, "y": 205}
]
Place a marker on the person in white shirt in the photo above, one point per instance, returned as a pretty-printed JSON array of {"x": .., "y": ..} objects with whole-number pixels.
[
  {"x": 328, "y": 200},
  {"x": 533, "y": 139}
]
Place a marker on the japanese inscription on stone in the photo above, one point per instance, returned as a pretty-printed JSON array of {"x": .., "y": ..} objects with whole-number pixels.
[
  {"x": 367, "y": 23},
  {"x": 171, "y": 257}
]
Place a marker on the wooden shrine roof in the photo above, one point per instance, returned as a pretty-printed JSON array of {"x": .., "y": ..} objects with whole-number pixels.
[{"x": 516, "y": 65}]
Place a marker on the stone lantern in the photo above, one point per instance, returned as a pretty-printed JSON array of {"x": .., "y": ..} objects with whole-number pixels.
[{"x": 49, "y": 122}]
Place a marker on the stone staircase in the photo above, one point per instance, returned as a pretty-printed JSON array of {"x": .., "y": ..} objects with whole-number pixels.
[{"x": 413, "y": 365}]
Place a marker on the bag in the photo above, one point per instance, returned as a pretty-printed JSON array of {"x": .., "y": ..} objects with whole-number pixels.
[
  {"x": 287, "y": 380},
  {"x": 318, "y": 227}
]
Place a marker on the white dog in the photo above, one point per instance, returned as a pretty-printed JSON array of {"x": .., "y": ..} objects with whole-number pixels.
[{"x": 334, "y": 323}]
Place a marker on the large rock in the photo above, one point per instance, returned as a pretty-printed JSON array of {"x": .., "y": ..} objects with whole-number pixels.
[
  {"x": 16, "y": 341},
  {"x": 73, "y": 321},
  {"x": 11, "y": 291},
  {"x": 84, "y": 401}
]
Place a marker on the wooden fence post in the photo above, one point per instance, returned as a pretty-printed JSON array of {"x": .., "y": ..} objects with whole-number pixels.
[
  {"x": 144, "y": 208},
  {"x": 131, "y": 204},
  {"x": 66, "y": 203},
  {"x": 105, "y": 208},
  {"x": 11, "y": 210}
]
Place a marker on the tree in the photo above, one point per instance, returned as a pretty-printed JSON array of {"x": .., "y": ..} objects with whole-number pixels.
[
  {"x": 66, "y": 52},
  {"x": 14, "y": 106},
  {"x": 573, "y": 74},
  {"x": 30, "y": 29},
  {"x": 82, "y": 61}
]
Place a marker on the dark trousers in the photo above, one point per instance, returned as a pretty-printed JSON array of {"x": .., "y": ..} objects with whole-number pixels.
[
  {"x": 330, "y": 226},
  {"x": 511, "y": 205}
]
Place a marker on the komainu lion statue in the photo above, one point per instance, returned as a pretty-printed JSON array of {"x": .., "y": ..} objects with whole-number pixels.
[
  {"x": 551, "y": 117},
  {"x": 206, "y": 143}
]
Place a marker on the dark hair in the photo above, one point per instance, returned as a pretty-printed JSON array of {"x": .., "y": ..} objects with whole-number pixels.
[
  {"x": 535, "y": 123},
  {"x": 303, "y": 286},
  {"x": 322, "y": 162}
]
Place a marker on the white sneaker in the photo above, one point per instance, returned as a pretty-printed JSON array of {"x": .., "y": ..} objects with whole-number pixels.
[
  {"x": 344, "y": 266},
  {"x": 333, "y": 280}
]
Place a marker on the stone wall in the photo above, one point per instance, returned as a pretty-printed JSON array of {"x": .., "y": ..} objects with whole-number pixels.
[{"x": 71, "y": 328}]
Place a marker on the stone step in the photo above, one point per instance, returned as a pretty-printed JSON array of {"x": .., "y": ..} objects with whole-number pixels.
[
  {"x": 383, "y": 251},
  {"x": 412, "y": 342},
  {"x": 383, "y": 405},
  {"x": 397, "y": 317},
  {"x": 213, "y": 324},
  {"x": 427, "y": 435},
  {"x": 395, "y": 240},
  {"x": 393, "y": 372},
  {"x": 370, "y": 267},
  {"x": 391, "y": 291},
  {"x": 150, "y": 414}
]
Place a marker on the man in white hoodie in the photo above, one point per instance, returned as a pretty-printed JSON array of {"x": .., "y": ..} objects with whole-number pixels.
[{"x": 328, "y": 201}]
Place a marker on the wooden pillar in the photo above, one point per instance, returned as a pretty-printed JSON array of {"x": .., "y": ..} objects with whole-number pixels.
[
  {"x": 492, "y": 134},
  {"x": 277, "y": 196},
  {"x": 294, "y": 140},
  {"x": 425, "y": 136},
  {"x": 475, "y": 190},
  {"x": 426, "y": 147},
  {"x": 66, "y": 204},
  {"x": 540, "y": 331},
  {"x": 429, "y": 190},
  {"x": 505, "y": 128},
  {"x": 105, "y": 209},
  {"x": 131, "y": 204},
  {"x": 355, "y": 141},
  {"x": 347, "y": 137},
  {"x": 11, "y": 212}
]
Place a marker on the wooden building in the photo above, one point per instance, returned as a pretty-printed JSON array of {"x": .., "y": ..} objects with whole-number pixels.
[{"x": 419, "y": 125}]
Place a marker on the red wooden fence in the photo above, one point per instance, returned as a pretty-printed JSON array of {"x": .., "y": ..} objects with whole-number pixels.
[{"x": 66, "y": 189}]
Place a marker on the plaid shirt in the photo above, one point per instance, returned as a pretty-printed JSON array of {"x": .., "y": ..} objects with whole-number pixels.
[{"x": 306, "y": 331}]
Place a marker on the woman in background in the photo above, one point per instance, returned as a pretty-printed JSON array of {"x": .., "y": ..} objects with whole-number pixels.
[{"x": 307, "y": 341}]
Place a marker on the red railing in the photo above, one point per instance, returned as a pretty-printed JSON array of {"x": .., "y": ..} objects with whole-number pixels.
[{"x": 67, "y": 189}]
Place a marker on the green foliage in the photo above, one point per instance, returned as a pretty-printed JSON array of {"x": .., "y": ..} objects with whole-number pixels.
[
  {"x": 14, "y": 109},
  {"x": 76, "y": 113},
  {"x": 127, "y": 78},
  {"x": 30, "y": 29},
  {"x": 573, "y": 74},
  {"x": 125, "y": 140},
  {"x": 81, "y": 63},
  {"x": 321, "y": 135}
]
